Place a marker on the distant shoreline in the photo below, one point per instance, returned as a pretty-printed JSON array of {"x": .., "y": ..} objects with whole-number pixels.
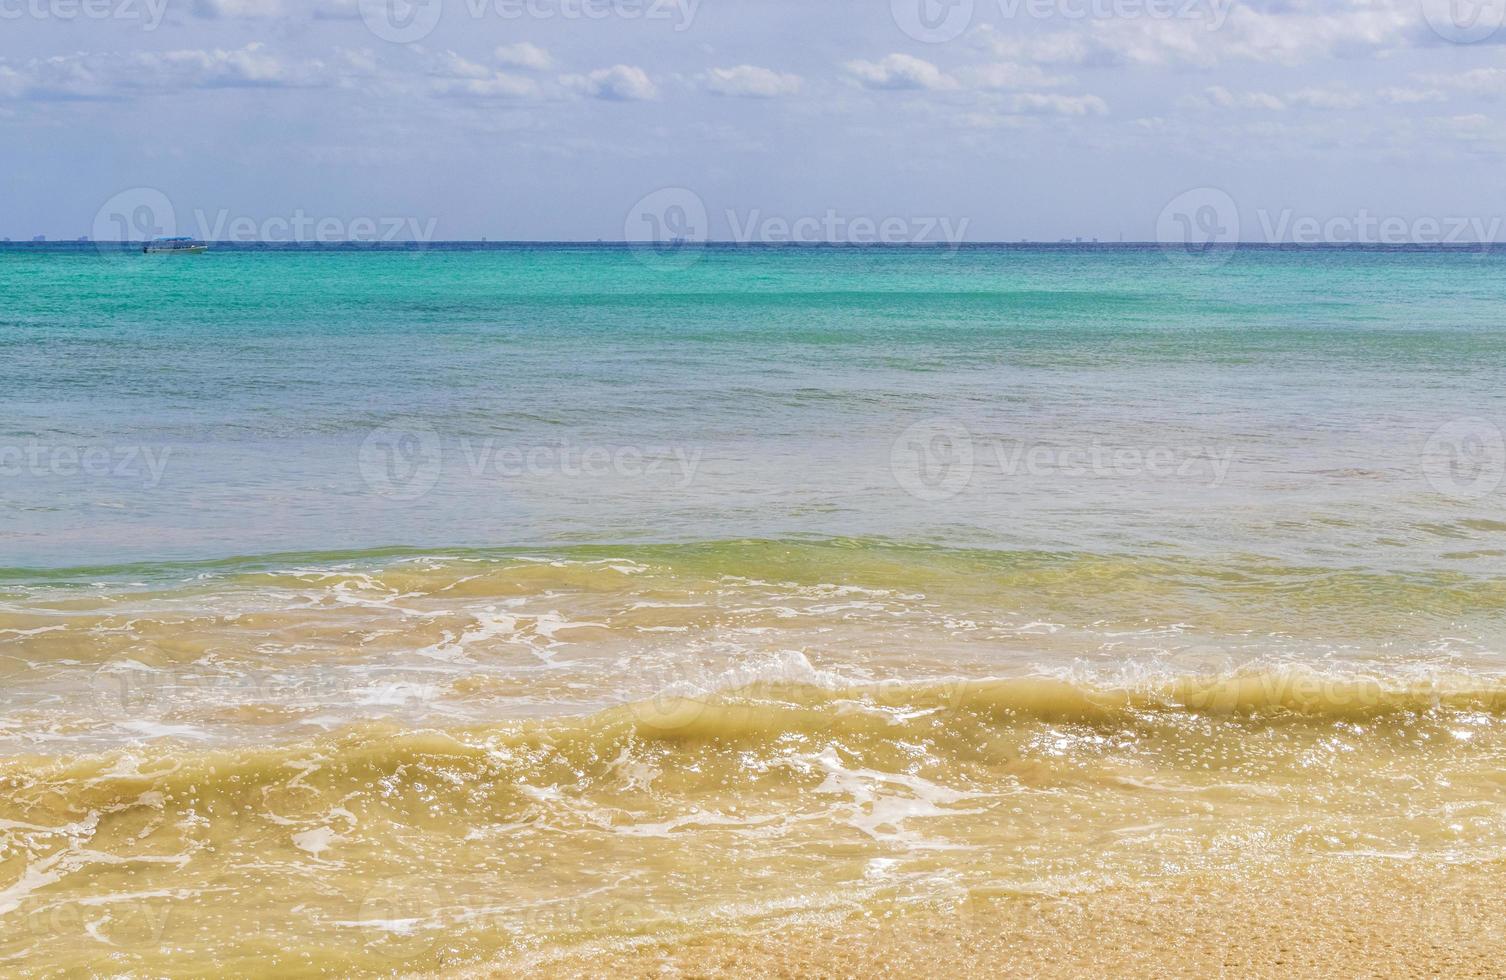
[{"x": 460, "y": 245}]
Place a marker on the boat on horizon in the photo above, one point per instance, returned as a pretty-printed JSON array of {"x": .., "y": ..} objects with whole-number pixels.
[{"x": 177, "y": 245}]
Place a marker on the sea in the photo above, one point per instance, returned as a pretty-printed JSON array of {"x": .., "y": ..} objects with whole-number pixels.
[{"x": 383, "y": 610}]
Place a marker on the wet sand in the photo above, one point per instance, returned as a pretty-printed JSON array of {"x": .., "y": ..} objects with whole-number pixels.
[{"x": 1338, "y": 917}]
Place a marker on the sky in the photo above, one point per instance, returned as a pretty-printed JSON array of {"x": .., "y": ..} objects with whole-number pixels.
[{"x": 754, "y": 120}]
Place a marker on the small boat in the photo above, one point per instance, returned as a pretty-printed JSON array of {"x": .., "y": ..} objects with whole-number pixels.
[{"x": 179, "y": 245}]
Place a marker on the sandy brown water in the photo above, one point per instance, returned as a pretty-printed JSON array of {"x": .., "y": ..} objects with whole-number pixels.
[
  {"x": 1323, "y": 919},
  {"x": 787, "y": 755}
]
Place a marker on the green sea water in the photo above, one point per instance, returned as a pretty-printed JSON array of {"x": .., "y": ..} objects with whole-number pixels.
[
  {"x": 367, "y": 612},
  {"x": 1277, "y": 403}
]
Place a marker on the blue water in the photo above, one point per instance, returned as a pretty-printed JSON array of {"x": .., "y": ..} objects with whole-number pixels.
[{"x": 248, "y": 401}]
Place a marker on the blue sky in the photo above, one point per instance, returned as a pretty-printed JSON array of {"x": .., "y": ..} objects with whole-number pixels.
[{"x": 558, "y": 119}]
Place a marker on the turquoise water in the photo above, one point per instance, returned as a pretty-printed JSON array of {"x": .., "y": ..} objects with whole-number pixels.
[
  {"x": 366, "y": 613},
  {"x": 754, "y": 393}
]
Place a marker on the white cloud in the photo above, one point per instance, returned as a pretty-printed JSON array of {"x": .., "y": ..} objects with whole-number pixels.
[
  {"x": 1264, "y": 100},
  {"x": 263, "y": 9},
  {"x": 1326, "y": 98},
  {"x": 250, "y": 65},
  {"x": 1286, "y": 33},
  {"x": 1409, "y": 96},
  {"x": 1219, "y": 97},
  {"x": 1471, "y": 122},
  {"x": 220, "y": 9},
  {"x": 1315, "y": 97},
  {"x": 115, "y": 75},
  {"x": 751, "y": 81},
  {"x": 900, "y": 71},
  {"x": 1008, "y": 75},
  {"x": 498, "y": 85},
  {"x": 1486, "y": 83},
  {"x": 1058, "y": 105},
  {"x": 455, "y": 75},
  {"x": 524, "y": 55},
  {"x": 454, "y": 66},
  {"x": 1475, "y": 131},
  {"x": 1057, "y": 48},
  {"x": 620, "y": 83}
]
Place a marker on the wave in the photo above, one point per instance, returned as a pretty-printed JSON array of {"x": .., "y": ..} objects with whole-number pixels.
[
  {"x": 873, "y": 561},
  {"x": 412, "y": 845},
  {"x": 952, "y": 716}
]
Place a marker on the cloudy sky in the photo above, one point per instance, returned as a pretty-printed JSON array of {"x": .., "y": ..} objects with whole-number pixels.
[{"x": 558, "y": 119}]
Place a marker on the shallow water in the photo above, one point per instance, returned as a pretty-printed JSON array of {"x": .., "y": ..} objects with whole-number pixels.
[{"x": 417, "y": 609}]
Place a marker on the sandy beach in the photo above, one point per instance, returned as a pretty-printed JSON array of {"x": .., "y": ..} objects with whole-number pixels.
[{"x": 1346, "y": 917}]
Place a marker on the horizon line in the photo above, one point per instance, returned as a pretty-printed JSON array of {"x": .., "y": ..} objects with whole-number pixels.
[{"x": 732, "y": 243}]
